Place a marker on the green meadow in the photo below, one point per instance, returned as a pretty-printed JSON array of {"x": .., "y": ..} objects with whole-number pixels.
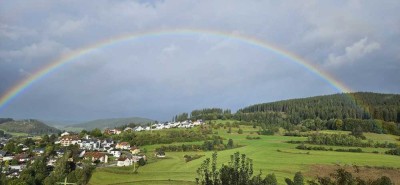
[
  {"x": 270, "y": 154},
  {"x": 16, "y": 134}
]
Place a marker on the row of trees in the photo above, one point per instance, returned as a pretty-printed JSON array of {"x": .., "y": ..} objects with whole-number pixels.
[
  {"x": 165, "y": 137},
  {"x": 336, "y": 139},
  {"x": 321, "y": 148},
  {"x": 345, "y": 140},
  {"x": 205, "y": 114},
  {"x": 211, "y": 114},
  {"x": 393, "y": 151},
  {"x": 208, "y": 145},
  {"x": 375, "y": 126}
]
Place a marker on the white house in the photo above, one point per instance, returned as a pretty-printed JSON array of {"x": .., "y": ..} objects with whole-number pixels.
[
  {"x": 24, "y": 147},
  {"x": 124, "y": 161},
  {"x": 106, "y": 143},
  {"x": 123, "y": 145},
  {"x": 93, "y": 156},
  {"x": 198, "y": 122},
  {"x": 139, "y": 128},
  {"x": 112, "y": 131},
  {"x": 69, "y": 140},
  {"x": 90, "y": 144},
  {"x": 17, "y": 167},
  {"x": 51, "y": 162},
  {"x": 65, "y": 134},
  {"x": 115, "y": 153},
  {"x": 38, "y": 151}
]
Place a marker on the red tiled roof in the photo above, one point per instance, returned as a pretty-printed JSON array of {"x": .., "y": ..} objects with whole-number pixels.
[
  {"x": 124, "y": 143},
  {"x": 96, "y": 155}
]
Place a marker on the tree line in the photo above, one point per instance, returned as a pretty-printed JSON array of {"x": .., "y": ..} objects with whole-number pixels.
[
  {"x": 378, "y": 113},
  {"x": 361, "y": 105},
  {"x": 208, "y": 145},
  {"x": 205, "y": 114},
  {"x": 345, "y": 140}
]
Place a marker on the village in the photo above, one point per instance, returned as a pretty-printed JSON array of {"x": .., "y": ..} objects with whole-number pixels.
[{"x": 101, "y": 152}]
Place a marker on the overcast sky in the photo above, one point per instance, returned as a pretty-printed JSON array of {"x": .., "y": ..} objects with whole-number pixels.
[{"x": 357, "y": 42}]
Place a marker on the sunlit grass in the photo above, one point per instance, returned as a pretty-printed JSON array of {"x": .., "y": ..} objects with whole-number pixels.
[{"x": 271, "y": 154}]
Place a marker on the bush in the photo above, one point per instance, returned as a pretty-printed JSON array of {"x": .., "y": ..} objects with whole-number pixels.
[
  {"x": 189, "y": 158},
  {"x": 142, "y": 162},
  {"x": 321, "y": 148},
  {"x": 251, "y": 138},
  {"x": 394, "y": 151}
]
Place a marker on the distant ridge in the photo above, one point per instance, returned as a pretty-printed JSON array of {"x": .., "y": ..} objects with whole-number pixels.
[
  {"x": 109, "y": 123},
  {"x": 29, "y": 126}
]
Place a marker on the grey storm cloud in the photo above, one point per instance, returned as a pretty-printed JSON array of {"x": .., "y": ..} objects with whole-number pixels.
[{"x": 157, "y": 77}]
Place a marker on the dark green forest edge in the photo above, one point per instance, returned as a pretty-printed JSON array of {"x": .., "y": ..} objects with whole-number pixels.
[{"x": 373, "y": 112}]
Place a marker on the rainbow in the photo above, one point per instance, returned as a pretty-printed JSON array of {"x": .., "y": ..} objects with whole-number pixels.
[{"x": 19, "y": 88}]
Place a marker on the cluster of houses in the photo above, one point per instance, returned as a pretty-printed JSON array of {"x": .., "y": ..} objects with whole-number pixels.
[
  {"x": 98, "y": 150},
  {"x": 157, "y": 126},
  {"x": 90, "y": 149},
  {"x": 13, "y": 164}
]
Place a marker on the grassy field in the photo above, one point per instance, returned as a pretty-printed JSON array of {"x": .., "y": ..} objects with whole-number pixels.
[
  {"x": 16, "y": 134},
  {"x": 271, "y": 154}
]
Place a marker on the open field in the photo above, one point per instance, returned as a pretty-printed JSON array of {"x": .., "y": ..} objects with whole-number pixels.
[
  {"x": 271, "y": 154},
  {"x": 15, "y": 134}
]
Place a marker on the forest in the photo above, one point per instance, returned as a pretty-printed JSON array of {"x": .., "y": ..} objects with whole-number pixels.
[{"x": 373, "y": 112}]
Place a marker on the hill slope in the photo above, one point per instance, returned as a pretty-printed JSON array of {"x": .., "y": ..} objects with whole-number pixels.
[
  {"x": 29, "y": 126},
  {"x": 110, "y": 123},
  {"x": 360, "y": 105}
]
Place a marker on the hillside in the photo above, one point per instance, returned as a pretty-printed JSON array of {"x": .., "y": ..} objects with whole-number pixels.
[
  {"x": 29, "y": 126},
  {"x": 110, "y": 123},
  {"x": 360, "y": 105},
  {"x": 3, "y": 120}
]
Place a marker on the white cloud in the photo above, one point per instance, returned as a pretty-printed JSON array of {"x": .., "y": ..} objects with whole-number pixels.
[
  {"x": 354, "y": 52},
  {"x": 62, "y": 28},
  {"x": 23, "y": 72},
  {"x": 169, "y": 50},
  {"x": 15, "y": 32},
  {"x": 44, "y": 48}
]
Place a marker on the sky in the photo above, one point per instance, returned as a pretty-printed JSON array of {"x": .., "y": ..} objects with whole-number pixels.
[{"x": 159, "y": 76}]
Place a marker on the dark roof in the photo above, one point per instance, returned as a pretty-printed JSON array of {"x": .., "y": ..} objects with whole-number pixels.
[
  {"x": 122, "y": 159},
  {"x": 3, "y": 153},
  {"x": 38, "y": 149}
]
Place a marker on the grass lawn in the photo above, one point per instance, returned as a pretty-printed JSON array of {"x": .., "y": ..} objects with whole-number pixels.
[{"x": 271, "y": 154}]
